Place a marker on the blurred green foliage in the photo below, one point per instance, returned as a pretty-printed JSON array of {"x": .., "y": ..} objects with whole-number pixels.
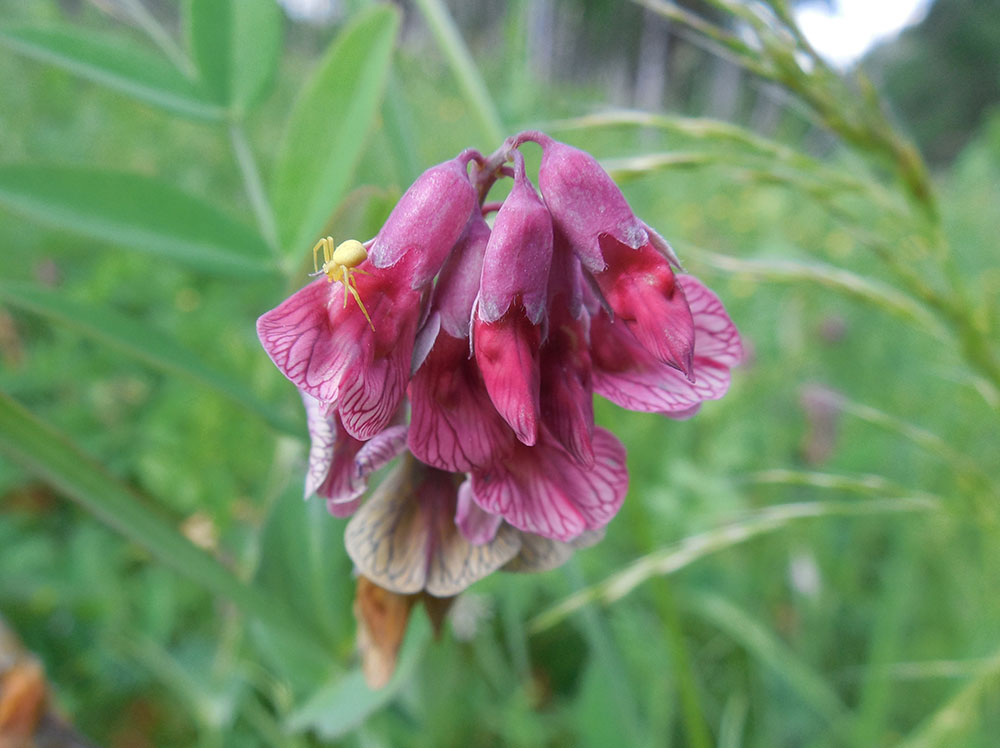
[{"x": 815, "y": 557}]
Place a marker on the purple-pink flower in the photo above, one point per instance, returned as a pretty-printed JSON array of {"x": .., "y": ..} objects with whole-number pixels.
[{"x": 486, "y": 343}]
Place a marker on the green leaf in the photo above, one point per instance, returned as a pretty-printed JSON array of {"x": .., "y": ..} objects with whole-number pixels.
[
  {"x": 114, "y": 62},
  {"x": 141, "y": 341},
  {"x": 135, "y": 211},
  {"x": 341, "y": 706},
  {"x": 329, "y": 125},
  {"x": 236, "y": 45},
  {"x": 48, "y": 454}
]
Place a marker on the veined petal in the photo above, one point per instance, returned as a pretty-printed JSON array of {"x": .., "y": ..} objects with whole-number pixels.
[
  {"x": 641, "y": 289},
  {"x": 453, "y": 424},
  {"x": 507, "y": 355},
  {"x": 543, "y": 490},
  {"x": 567, "y": 394},
  {"x": 628, "y": 375},
  {"x": 380, "y": 450},
  {"x": 716, "y": 337},
  {"x": 404, "y": 538},
  {"x": 326, "y": 347},
  {"x": 303, "y": 341},
  {"x": 322, "y": 438}
]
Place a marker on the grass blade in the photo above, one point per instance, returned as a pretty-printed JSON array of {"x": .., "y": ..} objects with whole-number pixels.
[{"x": 678, "y": 555}]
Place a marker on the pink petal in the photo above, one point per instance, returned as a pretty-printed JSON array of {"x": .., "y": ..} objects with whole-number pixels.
[
  {"x": 628, "y": 375},
  {"x": 453, "y": 424},
  {"x": 641, "y": 289},
  {"x": 507, "y": 355},
  {"x": 477, "y": 526},
  {"x": 716, "y": 337},
  {"x": 518, "y": 254},
  {"x": 303, "y": 342},
  {"x": 543, "y": 490},
  {"x": 567, "y": 395},
  {"x": 380, "y": 450},
  {"x": 426, "y": 222},
  {"x": 326, "y": 347}
]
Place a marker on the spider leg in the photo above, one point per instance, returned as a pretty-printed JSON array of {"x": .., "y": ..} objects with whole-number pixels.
[
  {"x": 345, "y": 277},
  {"x": 357, "y": 297}
]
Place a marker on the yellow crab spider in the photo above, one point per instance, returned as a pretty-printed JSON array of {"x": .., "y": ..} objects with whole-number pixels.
[{"x": 339, "y": 263}]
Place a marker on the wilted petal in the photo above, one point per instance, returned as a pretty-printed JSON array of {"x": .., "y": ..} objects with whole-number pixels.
[
  {"x": 539, "y": 554},
  {"x": 628, "y": 375},
  {"x": 543, "y": 490},
  {"x": 405, "y": 539},
  {"x": 507, "y": 356}
]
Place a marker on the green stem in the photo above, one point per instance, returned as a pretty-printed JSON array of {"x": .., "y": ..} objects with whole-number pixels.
[
  {"x": 464, "y": 68},
  {"x": 254, "y": 187}
]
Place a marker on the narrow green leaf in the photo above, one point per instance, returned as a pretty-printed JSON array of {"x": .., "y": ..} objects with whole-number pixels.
[
  {"x": 329, "y": 125},
  {"x": 48, "y": 454},
  {"x": 138, "y": 212},
  {"x": 236, "y": 45},
  {"x": 114, "y": 62},
  {"x": 773, "y": 654},
  {"x": 879, "y": 294},
  {"x": 141, "y": 341},
  {"x": 339, "y": 707},
  {"x": 952, "y": 723},
  {"x": 678, "y": 555}
]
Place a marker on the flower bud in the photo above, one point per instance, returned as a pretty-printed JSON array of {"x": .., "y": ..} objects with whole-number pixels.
[{"x": 426, "y": 222}]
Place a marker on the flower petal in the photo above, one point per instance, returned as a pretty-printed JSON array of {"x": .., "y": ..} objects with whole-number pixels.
[
  {"x": 507, "y": 355},
  {"x": 453, "y": 424},
  {"x": 476, "y": 525},
  {"x": 543, "y": 490},
  {"x": 302, "y": 341},
  {"x": 642, "y": 290},
  {"x": 628, "y": 375}
]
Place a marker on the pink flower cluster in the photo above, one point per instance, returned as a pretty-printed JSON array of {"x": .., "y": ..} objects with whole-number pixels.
[{"x": 485, "y": 347}]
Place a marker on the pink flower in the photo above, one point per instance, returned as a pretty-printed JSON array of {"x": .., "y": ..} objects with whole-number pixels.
[{"x": 492, "y": 343}]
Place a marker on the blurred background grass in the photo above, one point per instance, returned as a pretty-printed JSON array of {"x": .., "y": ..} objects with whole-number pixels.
[{"x": 855, "y": 454}]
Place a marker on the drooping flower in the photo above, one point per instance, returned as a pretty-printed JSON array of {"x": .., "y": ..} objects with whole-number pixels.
[{"x": 476, "y": 352}]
